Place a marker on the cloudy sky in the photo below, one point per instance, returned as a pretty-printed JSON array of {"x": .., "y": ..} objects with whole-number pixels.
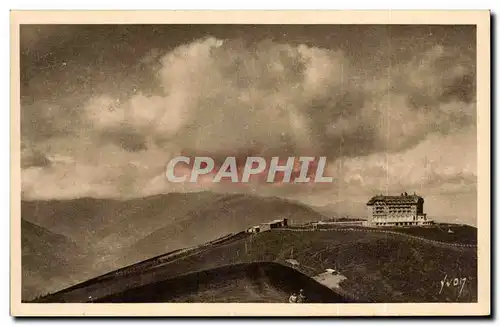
[{"x": 393, "y": 108}]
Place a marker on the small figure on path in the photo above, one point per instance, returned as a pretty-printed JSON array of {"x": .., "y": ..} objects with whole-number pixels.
[
  {"x": 293, "y": 298},
  {"x": 302, "y": 297}
]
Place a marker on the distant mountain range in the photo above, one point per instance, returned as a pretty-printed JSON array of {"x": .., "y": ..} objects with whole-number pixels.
[{"x": 49, "y": 260}]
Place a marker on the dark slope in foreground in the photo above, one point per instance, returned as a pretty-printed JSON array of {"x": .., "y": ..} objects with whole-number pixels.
[
  {"x": 253, "y": 282},
  {"x": 379, "y": 267}
]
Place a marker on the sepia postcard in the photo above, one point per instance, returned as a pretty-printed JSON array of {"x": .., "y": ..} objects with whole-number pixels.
[{"x": 250, "y": 163}]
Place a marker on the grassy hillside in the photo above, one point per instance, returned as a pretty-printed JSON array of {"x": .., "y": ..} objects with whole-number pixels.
[
  {"x": 460, "y": 234},
  {"x": 379, "y": 267},
  {"x": 464, "y": 234}
]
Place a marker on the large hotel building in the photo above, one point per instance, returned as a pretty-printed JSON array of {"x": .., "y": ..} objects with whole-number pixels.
[{"x": 403, "y": 210}]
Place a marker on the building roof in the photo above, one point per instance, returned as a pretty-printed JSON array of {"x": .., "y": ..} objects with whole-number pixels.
[
  {"x": 275, "y": 221},
  {"x": 403, "y": 199}
]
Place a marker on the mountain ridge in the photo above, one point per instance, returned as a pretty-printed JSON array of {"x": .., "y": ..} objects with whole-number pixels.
[{"x": 115, "y": 233}]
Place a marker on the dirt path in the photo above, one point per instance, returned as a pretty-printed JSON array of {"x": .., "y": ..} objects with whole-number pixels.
[{"x": 330, "y": 280}]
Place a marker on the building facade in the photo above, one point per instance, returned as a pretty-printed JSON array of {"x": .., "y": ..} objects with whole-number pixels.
[
  {"x": 274, "y": 224},
  {"x": 403, "y": 210}
]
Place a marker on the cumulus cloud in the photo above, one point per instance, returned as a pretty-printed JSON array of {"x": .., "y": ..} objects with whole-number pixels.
[
  {"x": 403, "y": 128},
  {"x": 425, "y": 167},
  {"x": 32, "y": 158}
]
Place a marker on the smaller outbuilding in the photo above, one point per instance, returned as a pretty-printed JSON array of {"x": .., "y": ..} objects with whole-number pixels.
[{"x": 254, "y": 229}]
